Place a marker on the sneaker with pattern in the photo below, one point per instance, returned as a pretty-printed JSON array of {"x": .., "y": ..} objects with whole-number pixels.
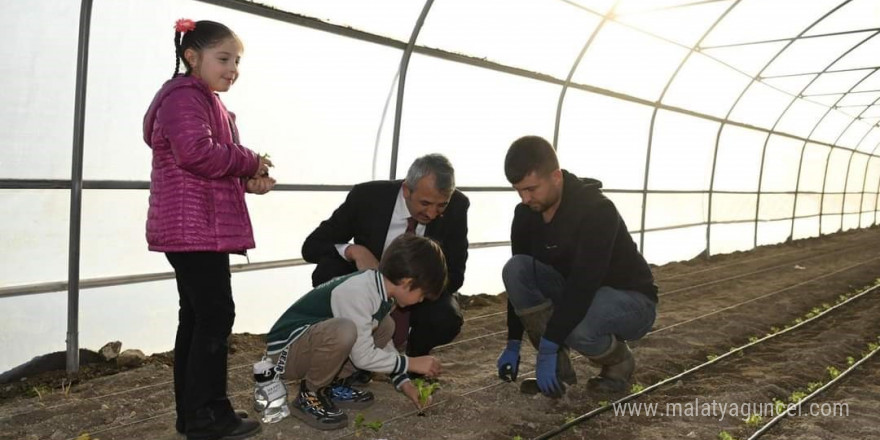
[
  {"x": 317, "y": 410},
  {"x": 346, "y": 396}
]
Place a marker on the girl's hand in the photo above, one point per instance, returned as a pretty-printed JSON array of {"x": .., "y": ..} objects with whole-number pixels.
[
  {"x": 263, "y": 169},
  {"x": 260, "y": 185}
]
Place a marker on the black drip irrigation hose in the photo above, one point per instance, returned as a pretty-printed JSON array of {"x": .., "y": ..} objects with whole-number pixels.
[
  {"x": 795, "y": 407},
  {"x": 595, "y": 412}
]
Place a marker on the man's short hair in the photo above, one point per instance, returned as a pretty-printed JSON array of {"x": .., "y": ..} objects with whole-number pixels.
[
  {"x": 436, "y": 164},
  {"x": 529, "y": 154},
  {"x": 419, "y": 258}
]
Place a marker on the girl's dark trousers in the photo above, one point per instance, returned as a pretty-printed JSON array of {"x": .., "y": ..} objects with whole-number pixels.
[{"x": 201, "y": 347}]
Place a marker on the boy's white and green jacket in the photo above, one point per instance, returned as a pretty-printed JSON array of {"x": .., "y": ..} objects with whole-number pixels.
[{"x": 359, "y": 297}]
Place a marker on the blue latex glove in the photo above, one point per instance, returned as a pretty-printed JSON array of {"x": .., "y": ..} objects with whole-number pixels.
[
  {"x": 508, "y": 362},
  {"x": 545, "y": 368}
]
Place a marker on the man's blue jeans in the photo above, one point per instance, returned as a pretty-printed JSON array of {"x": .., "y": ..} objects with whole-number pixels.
[{"x": 627, "y": 314}]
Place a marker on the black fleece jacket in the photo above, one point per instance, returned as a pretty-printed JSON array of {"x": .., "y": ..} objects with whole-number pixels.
[{"x": 588, "y": 243}]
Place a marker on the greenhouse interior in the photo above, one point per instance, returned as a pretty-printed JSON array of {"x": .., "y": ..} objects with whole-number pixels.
[{"x": 737, "y": 139}]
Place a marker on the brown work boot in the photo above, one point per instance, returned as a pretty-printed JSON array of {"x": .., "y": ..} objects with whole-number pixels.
[
  {"x": 617, "y": 368},
  {"x": 534, "y": 320}
]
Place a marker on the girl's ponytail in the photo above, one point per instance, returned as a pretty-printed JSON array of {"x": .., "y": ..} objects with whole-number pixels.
[
  {"x": 180, "y": 27},
  {"x": 177, "y": 54}
]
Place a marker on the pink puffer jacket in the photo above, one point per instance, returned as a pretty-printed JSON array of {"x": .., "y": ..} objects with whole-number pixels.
[{"x": 196, "y": 187}]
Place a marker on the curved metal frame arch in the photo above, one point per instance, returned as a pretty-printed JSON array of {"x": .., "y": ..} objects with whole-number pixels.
[
  {"x": 693, "y": 49},
  {"x": 864, "y": 185},
  {"x": 876, "y": 195},
  {"x": 573, "y": 69},
  {"x": 725, "y": 121},
  {"x": 851, "y": 155},
  {"x": 401, "y": 74},
  {"x": 781, "y": 115},
  {"x": 828, "y": 157}
]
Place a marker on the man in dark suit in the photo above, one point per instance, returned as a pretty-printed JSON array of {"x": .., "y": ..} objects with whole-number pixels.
[{"x": 427, "y": 204}]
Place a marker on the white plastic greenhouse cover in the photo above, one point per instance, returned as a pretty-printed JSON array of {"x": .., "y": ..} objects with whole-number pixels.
[{"x": 715, "y": 126}]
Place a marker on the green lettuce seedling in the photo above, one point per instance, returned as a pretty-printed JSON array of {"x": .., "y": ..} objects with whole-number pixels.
[
  {"x": 754, "y": 420},
  {"x": 724, "y": 435},
  {"x": 426, "y": 389},
  {"x": 833, "y": 372},
  {"x": 360, "y": 423}
]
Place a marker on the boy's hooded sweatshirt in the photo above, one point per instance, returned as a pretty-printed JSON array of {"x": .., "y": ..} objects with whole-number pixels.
[{"x": 359, "y": 297}]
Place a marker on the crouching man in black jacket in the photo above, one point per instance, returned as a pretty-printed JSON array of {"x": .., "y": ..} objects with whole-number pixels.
[{"x": 576, "y": 278}]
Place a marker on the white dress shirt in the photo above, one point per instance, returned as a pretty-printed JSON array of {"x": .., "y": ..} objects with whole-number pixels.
[{"x": 396, "y": 227}]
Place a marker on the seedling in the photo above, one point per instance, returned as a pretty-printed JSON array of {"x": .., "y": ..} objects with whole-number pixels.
[
  {"x": 711, "y": 357},
  {"x": 724, "y": 435},
  {"x": 84, "y": 436},
  {"x": 603, "y": 403},
  {"x": 833, "y": 372},
  {"x": 517, "y": 437},
  {"x": 360, "y": 423},
  {"x": 636, "y": 388},
  {"x": 753, "y": 339},
  {"x": 813, "y": 386},
  {"x": 797, "y": 396},
  {"x": 39, "y": 390},
  {"x": 426, "y": 389},
  {"x": 569, "y": 417},
  {"x": 66, "y": 389},
  {"x": 779, "y": 406},
  {"x": 754, "y": 420},
  {"x": 850, "y": 361}
]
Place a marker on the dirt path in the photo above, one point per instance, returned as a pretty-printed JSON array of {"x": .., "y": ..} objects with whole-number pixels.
[{"x": 738, "y": 295}]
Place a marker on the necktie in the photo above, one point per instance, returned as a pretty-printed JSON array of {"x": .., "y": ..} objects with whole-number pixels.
[
  {"x": 410, "y": 225},
  {"x": 401, "y": 316}
]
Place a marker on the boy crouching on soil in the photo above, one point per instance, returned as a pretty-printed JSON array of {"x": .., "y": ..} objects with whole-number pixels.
[{"x": 342, "y": 326}]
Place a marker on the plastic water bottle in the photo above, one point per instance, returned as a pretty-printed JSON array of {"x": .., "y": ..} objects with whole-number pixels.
[{"x": 270, "y": 394}]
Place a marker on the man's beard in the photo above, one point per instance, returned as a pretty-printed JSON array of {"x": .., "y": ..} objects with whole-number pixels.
[{"x": 540, "y": 207}]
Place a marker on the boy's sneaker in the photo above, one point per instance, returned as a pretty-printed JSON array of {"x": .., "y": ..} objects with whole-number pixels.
[
  {"x": 346, "y": 396},
  {"x": 360, "y": 378},
  {"x": 317, "y": 409}
]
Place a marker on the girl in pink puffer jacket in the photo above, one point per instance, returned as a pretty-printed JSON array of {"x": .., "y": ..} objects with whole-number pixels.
[{"x": 198, "y": 216}]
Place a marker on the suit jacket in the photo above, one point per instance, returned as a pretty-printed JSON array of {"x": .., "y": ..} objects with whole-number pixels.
[{"x": 365, "y": 216}]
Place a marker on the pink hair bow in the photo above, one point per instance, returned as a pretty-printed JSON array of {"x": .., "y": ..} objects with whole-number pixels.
[{"x": 184, "y": 25}]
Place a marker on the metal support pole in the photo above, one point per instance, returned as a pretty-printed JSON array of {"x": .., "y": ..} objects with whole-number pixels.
[{"x": 82, "y": 68}]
